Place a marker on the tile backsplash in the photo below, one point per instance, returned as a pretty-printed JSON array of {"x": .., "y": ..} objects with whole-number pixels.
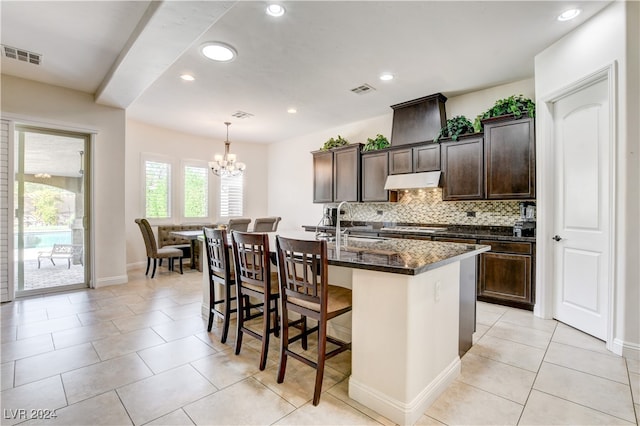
[{"x": 426, "y": 206}]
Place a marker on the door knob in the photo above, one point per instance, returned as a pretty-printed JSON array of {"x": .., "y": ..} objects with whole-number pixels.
[{"x": 557, "y": 237}]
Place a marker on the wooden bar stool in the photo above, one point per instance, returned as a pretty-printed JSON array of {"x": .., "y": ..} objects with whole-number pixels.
[
  {"x": 255, "y": 280},
  {"x": 304, "y": 288},
  {"x": 221, "y": 273}
]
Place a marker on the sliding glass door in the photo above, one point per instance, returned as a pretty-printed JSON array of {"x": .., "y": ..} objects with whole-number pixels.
[{"x": 50, "y": 200}]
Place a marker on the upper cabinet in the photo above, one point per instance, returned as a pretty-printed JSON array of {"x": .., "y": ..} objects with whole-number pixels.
[
  {"x": 509, "y": 150},
  {"x": 462, "y": 169},
  {"x": 426, "y": 158},
  {"x": 400, "y": 161},
  {"x": 418, "y": 120},
  {"x": 322, "y": 177},
  {"x": 375, "y": 168},
  {"x": 502, "y": 167},
  {"x": 336, "y": 174}
]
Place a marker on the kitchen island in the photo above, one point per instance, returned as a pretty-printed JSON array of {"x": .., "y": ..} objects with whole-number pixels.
[{"x": 405, "y": 318}]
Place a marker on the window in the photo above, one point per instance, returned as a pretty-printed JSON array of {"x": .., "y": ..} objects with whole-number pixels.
[
  {"x": 196, "y": 191},
  {"x": 157, "y": 186},
  {"x": 231, "y": 196}
]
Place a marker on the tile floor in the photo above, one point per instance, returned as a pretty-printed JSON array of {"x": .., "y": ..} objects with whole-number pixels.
[{"x": 140, "y": 354}]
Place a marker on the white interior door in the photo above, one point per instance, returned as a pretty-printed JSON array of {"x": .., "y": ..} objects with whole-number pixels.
[{"x": 582, "y": 210}]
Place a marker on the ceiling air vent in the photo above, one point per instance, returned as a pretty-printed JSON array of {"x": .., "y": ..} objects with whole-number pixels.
[
  {"x": 21, "y": 55},
  {"x": 241, "y": 114},
  {"x": 361, "y": 90}
]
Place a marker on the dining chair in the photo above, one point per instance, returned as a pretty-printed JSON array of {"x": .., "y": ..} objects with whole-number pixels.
[
  {"x": 255, "y": 280},
  {"x": 238, "y": 224},
  {"x": 222, "y": 275},
  {"x": 155, "y": 253},
  {"x": 304, "y": 289},
  {"x": 266, "y": 224}
]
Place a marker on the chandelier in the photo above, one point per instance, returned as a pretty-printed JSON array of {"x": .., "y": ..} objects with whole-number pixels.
[{"x": 226, "y": 165}]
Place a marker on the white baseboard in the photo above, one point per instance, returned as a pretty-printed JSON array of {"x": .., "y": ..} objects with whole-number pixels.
[
  {"x": 626, "y": 349},
  {"x": 397, "y": 411},
  {"x": 103, "y": 282}
]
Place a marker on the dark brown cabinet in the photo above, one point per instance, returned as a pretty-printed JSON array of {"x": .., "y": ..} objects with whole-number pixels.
[
  {"x": 336, "y": 174},
  {"x": 509, "y": 150},
  {"x": 375, "y": 168},
  {"x": 400, "y": 161},
  {"x": 506, "y": 274},
  {"x": 463, "y": 169},
  {"x": 322, "y": 177},
  {"x": 426, "y": 158}
]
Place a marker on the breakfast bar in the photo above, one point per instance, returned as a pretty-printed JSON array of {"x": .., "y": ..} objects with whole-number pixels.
[{"x": 405, "y": 319}]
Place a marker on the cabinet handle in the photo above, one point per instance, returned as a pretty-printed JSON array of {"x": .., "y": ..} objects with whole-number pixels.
[{"x": 557, "y": 238}]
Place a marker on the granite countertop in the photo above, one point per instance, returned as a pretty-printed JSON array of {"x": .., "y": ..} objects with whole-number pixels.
[
  {"x": 501, "y": 233},
  {"x": 400, "y": 256}
]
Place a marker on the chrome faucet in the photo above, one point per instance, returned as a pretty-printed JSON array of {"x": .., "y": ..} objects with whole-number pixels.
[{"x": 338, "y": 233}]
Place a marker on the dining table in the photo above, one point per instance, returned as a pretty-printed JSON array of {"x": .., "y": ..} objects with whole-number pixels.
[{"x": 192, "y": 236}]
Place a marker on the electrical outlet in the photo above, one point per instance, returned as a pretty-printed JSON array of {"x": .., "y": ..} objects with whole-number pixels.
[
  {"x": 471, "y": 214},
  {"x": 380, "y": 212}
]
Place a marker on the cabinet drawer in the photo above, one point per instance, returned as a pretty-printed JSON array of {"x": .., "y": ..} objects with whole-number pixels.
[
  {"x": 454, "y": 240},
  {"x": 507, "y": 247}
]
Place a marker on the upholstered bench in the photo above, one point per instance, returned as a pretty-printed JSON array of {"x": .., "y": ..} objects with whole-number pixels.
[{"x": 167, "y": 239}]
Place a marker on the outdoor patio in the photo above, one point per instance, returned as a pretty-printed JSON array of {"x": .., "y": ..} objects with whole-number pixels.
[{"x": 48, "y": 275}]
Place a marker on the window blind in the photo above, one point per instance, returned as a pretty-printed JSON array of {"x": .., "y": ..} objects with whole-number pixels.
[
  {"x": 196, "y": 190},
  {"x": 157, "y": 189},
  {"x": 231, "y": 196}
]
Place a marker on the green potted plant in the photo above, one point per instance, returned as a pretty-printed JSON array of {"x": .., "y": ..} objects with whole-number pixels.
[
  {"x": 334, "y": 143},
  {"x": 380, "y": 142},
  {"x": 516, "y": 105},
  {"x": 455, "y": 127}
]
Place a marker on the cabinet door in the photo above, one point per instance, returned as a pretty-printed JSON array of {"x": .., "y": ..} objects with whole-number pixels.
[
  {"x": 323, "y": 177},
  {"x": 426, "y": 158},
  {"x": 510, "y": 159},
  {"x": 346, "y": 174},
  {"x": 506, "y": 278},
  {"x": 463, "y": 170},
  {"x": 400, "y": 161},
  {"x": 375, "y": 169}
]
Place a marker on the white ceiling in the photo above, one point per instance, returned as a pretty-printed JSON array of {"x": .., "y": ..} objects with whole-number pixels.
[{"x": 131, "y": 54}]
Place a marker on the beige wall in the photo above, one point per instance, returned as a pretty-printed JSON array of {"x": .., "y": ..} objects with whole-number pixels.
[
  {"x": 611, "y": 37},
  {"x": 179, "y": 147},
  {"x": 46, "y": 105}
]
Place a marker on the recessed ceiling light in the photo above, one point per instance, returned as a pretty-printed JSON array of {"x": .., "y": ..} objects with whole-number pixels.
[
  {"x": 218, "y": 51},
  {"x": 568, "y": 14},
  {"x": 275, "y": 9},
  {"x": 386, "y": 76},
  {"x": 292, "y": 110},
  {"x": 187, "y": 77}
]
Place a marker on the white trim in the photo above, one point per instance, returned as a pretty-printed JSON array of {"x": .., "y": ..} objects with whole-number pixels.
[
  {"x": 53, "y": 124},
  {"x": 545, "y": 202},
  {"x": 92, "y": 202},
  {"x": 626, "y": 349},
  {"x": 103, "y": 282},
  {"x": 398, "y": 411},
  {"x": 11, "y": 287}
]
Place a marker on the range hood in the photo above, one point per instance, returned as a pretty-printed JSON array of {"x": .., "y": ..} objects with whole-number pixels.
[{"x": 413, "y": 180}]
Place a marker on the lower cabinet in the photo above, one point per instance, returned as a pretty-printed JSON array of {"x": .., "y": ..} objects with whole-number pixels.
[{"x": 507, "y": 273}]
